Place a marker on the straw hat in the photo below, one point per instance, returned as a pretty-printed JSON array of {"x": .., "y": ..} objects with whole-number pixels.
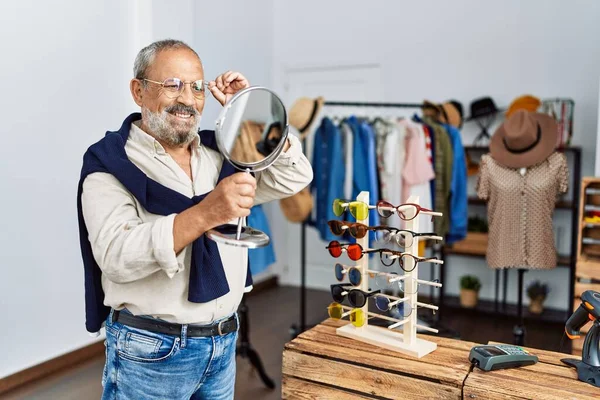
[
  {"x": 304, "y": 113},
  {"x": 526, "y": 102},
  {"x": 297, "y": 207},
  {"x": 525, "y": 139},
  {"x": 446, "y": 113}
]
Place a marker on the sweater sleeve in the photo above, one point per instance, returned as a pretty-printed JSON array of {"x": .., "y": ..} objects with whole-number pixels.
[{"x": 125, "y": 248}]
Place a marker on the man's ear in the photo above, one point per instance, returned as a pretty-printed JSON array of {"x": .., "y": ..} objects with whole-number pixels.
[{"x": 136, "y": 91}]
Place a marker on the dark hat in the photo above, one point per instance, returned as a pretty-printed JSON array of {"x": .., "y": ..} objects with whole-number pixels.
[{"x": 482, "y": 107}]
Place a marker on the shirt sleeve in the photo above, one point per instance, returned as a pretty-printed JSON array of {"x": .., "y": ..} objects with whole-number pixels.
[
  {"x": 563, "y": 175},
  {"x": 288, "y": 175},
  {"x": 125, "y": 248},
  {"x": 483, "y": 183}
]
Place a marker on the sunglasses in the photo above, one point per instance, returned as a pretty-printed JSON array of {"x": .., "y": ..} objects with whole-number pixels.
[
  {"x": 388, "y": 257},
  {"x": 357, "y": 316},
  {"x": 173, "y": 87},
  {"x": 356, "y": 297},
  {"x": 384, "y": 303},
  {"x": 360, "y": 210},
  {"x": 355, "y": 276}
]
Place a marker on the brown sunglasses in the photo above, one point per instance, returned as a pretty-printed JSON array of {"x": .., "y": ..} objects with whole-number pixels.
[{"x": 356, "y": 229}]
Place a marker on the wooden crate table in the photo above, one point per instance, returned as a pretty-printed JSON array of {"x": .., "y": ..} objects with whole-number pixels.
[
  {"x": 319, "y": 364},
  {"x": 549, "y": 379}
]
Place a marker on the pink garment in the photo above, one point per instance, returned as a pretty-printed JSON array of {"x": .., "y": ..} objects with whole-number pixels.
[{"x": 417, "y": 167}]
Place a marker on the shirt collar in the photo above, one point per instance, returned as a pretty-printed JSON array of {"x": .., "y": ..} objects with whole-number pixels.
[{"x": 149, "y": 142}]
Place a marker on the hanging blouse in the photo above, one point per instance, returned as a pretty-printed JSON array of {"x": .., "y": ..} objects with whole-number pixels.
[{"x": 520, "y": 209}]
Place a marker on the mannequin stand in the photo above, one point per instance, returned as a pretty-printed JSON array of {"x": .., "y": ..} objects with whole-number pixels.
[
  {"x": 245, "y": 349},
  {"x": 519, "y": 329}
]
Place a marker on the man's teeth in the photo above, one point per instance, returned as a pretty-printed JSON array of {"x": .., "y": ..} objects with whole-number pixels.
[{"x": 180, "y": 115}]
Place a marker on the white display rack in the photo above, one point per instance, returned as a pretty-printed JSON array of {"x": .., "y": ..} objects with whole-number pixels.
[{"x": 405, "y": 342}]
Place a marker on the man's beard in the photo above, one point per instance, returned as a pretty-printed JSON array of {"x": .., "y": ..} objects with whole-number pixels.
[{"x": 165, "y": 127}]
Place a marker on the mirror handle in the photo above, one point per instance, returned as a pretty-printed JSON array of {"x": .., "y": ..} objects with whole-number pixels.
[{"x": 239, "y": 227}]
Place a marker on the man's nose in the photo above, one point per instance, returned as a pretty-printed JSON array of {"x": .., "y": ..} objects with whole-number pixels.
[{"x": 186, "y": 96}]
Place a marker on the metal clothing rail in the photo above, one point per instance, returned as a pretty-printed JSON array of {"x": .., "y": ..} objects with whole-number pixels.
[{"x": 295, "y": 330}]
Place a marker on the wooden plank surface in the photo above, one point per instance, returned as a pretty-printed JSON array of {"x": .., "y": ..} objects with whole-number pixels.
[
  {"x": 588, "y": 269},
  {"x": 549, "y": 379},
  {"x": 521, "y": 383},
  {"x": 368, "y": 381},
  {"x": 582, "y": 287},
  {"x": 446, "y": 364},
  {"x": 293, "y": 389}
]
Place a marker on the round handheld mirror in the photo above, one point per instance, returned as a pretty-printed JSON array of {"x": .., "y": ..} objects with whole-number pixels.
[{"x": 251, "y": 132}]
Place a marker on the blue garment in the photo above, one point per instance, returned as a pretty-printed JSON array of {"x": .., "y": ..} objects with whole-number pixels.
[
  {"x": 329, "y": 174},
  {"x": 365, "y": 167},
  {"x": 260, "y": 258},
  {"x": 207, "y": 277},
  {"x": 458, "y": 188},
  {"x": 145, "y": 365}
]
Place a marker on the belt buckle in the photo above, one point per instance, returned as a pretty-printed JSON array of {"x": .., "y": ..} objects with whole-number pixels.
[{"x": 219, "y": 328}]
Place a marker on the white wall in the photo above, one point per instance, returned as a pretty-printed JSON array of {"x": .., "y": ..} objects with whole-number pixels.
[
  {"x": 66, "y": 70},
  {"x": 461, "y": 49}
]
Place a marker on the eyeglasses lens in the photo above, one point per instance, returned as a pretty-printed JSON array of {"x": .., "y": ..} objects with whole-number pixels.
[
  {"x": 338, "y": 209},
  {"x": 359, "y": 210},
  {"x": 357, "y": 317},
  {"x": 335, "y": 310},
  {"x": 382, "y": 303},
  {"x": 354, "y": 252},
  {"x": 335, "y": 249},
  {"x": 358, "y": 231},
  {"x": 336, "y": 227},
  {"x": 387, "y": 258},
  {"x": 339, "y": 272},
  {"x": 385, "y": 209},
  {"x": 404, "y": 239},
  {"x": 336, "y": 293},
  {"x": 407, "y": 212},
  {"x": 357, "y": 298},
  {"x": 354, "y": 276}
]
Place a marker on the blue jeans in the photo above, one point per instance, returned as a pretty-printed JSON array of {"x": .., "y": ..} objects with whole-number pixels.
[{"x": 145, "y": 365}]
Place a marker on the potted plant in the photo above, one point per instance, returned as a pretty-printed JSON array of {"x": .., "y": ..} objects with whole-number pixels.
[
  {"x": 537, "y": 292},
  {"x": 469, "y": 291}
]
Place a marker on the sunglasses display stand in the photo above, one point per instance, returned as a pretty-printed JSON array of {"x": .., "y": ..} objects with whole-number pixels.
[{"x": 407, "y": 341}]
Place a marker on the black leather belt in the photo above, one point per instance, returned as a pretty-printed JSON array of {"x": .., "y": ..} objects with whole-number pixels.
[{"x": 153, "y": 325}]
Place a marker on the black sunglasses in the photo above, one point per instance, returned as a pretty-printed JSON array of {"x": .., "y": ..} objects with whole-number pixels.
[{"x": 356, "y": 297}]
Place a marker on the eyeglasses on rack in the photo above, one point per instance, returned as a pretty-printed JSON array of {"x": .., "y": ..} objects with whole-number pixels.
[
  {"x": 388, "y": 257},
  {"x": 355, "y": 276},
  {"x": 360, "y": 210},
  {"x": 356, "y": 297}
]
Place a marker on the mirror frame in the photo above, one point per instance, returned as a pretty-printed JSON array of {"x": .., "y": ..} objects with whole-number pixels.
[{"x": 267, "y": 161}]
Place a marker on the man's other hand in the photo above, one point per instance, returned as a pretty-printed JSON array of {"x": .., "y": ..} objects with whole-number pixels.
[{"x": 226, "y": 85}]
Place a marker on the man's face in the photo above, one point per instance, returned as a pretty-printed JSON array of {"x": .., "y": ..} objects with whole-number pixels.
[{"x": 173, "y": 118}]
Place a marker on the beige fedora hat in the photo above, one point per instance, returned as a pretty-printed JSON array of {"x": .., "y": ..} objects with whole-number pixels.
[
  {"x": 304, "y": 112},
  {"x": 525, "y": 139}
]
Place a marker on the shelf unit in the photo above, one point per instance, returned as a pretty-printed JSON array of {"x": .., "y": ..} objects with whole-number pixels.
[
  {"x": 572, "y": 206},
  {"x": 587, "y": 270}
]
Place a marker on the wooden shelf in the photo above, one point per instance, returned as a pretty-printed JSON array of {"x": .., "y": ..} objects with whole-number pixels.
[
  {"x": 563, "y": 205},
  {"x": 488, "y": 307},
  {"x": 562, "y": 261}
]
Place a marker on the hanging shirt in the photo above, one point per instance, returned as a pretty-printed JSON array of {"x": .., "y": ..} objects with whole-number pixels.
[
  {"x": 262, "y": 257},
  {"x": 348, "y": 140},
  {"x": 458, "y": 188},
  {"x": 329, "y": 175},
  {"x": 417, "y": 171},
  {"x": 520, "y": 211},
  {"x": 443, "y": 159},
  {"x": 365, "y": 164}
]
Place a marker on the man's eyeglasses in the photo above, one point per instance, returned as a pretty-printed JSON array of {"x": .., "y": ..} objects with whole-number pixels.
[
  {"x": 173, "y": 87},
  {"x": 388, "y": 257}
]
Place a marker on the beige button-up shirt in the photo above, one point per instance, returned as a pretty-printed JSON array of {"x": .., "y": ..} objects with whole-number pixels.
[
  {"x": 134, "y": 248},
  {"x": 520, "y": 209}
]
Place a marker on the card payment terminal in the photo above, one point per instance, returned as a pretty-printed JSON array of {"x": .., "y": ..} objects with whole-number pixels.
[{"x": 493, "y": 357}]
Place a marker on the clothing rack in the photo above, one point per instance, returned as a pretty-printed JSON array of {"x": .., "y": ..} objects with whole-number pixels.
[{"x": 295, "y": 330}]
